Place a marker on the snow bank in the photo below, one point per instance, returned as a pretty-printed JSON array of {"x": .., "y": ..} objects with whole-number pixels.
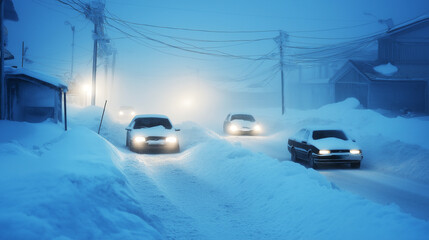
[
  {"x": 284, "y": 200},
  {"x": 64, "y": 185},
  {"x": 90, "y": 117}
]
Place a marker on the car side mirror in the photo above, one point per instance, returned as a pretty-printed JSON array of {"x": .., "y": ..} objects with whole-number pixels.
[
  {"x": 177, "y": 129},
  {"x": 128, "y": 128}
]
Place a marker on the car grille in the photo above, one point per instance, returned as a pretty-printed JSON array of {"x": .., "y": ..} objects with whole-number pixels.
[
  {"x": 340, "y": 151},
  {"x": 154, "y": 138}
]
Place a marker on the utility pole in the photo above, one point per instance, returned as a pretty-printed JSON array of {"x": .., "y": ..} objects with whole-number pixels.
[
  {"x": 95, "y": 13},
  {"x": 94, "y": 66},
  {"x": 280, "y": 41},
  {"x": 112, "y": 79},
  {"x": 72, "y": 61}
]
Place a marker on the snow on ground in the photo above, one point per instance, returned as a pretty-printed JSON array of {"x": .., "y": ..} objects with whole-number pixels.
[
  {"x": 219, "y": 189},
  {"x": 65, "y": 185},
  {"x": 213, "y": 189},
  {"x": 225, "y": 191}
]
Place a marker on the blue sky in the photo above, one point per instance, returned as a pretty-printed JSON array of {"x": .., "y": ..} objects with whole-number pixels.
[{"x": 152, "y": 66}]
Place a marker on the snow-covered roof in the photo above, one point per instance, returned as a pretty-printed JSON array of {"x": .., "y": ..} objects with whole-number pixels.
[
  {"x": 323, "y": 128},
  {"x": 38, "y": 76},
  {"x": 386, "y": 69},
  {"x": 408, "y": 24},
  {"x": 403, "y": 72}
]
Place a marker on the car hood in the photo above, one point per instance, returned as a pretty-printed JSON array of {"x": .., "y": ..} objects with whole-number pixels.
[
  {"x": 242, "y": 123},
  {"x": 158, "y": 131},
  {"x": 334, "y": 144}
]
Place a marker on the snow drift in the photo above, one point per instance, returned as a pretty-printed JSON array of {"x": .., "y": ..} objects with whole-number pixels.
[{"x": 64, "y": 185}]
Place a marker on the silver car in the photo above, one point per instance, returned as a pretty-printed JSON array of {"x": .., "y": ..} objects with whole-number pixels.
[
  {"x": 152, "y": 133},
  {"x": 241, "y": 124}
]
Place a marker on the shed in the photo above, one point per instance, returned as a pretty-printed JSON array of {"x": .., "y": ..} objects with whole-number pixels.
[
  {"x": 405, "y": 88},
  {"x": 34, "y": 97}
]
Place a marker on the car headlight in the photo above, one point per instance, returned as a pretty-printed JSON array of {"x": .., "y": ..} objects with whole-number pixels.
[
  {"x": 257, "y": 127},
  {"x": 324, "y": 152},
  {"x": 233, "y": 128},
  {"x": 139, "y": 139},
  {"x": 121, "y": 113},
  {"x": 171, "y": 139},
  {"x": 355, "y": 151}
]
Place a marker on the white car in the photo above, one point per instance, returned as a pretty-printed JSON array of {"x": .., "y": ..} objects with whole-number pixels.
[
  {"x": 241, "y": 124},
  {"x": 152, "y": 133},
  {"x": 324, "y": 146}
]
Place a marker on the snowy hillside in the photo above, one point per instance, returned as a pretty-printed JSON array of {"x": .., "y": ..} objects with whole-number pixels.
[{"x": 65, "y": 185}]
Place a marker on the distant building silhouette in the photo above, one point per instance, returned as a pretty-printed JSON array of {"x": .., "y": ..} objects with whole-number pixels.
[{"x": 398, "y": 79}]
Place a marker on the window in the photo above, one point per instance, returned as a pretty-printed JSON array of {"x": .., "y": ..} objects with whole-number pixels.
[
  {"x": 244, "y": 117},
  {"x": 329, "y": 134},
  {"x": 150, "y": 122}
]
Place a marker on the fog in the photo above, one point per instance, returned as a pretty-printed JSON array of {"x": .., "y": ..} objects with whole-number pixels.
[{"x": 198, "y": 61}]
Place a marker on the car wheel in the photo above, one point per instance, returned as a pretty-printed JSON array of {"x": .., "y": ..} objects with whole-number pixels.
[
  {"x": 355, "y": 165},
  {"x": 293, "y": 155},
  {"x": 311, "y": 162}
]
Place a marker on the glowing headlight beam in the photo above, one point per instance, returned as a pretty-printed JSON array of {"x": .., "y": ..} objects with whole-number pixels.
[
  {"x": 139, "y": 139},
  {"x": 257, "y": 127},
  {"x": 121, "y": 113},
  {"x": 324, "y": 152},
  {"x": 233, "y": 128},
  {"x": 171, "y": 139},
  {"x": 355, "y": 151}
]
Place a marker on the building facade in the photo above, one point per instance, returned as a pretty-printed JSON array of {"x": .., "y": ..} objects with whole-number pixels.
[{"x": 398, "y": 79}]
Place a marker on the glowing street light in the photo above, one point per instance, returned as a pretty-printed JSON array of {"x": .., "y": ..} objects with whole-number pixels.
[{"x": 86, "y": 91}]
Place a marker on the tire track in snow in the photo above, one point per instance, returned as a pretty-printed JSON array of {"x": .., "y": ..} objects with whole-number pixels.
[
  {"x": 194, "y": 204},
  {"x": 177, "y": 224}
]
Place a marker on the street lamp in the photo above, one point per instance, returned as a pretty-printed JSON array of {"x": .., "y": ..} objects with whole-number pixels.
[{"x": 86, "y": 91}]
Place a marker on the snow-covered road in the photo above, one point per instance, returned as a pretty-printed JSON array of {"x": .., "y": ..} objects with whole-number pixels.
[
  {"x": 188, "y": 206},
  {"x": 246, "y": 187},
  {"x": 196, "y": 197},
  {"x": 412, "y": 197}
]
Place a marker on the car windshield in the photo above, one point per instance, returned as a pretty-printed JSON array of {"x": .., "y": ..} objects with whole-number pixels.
[
  {"x": 329, "y": 134},
  {"x": 244, "y": 117},
  {"x": 152, "y": 122}
]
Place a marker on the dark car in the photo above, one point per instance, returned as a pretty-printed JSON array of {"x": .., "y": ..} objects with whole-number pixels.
[
  {"x": 152, "y": 133},
  {"x": 324, "y": 146},
  {"x": 241, "y": 124}
]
